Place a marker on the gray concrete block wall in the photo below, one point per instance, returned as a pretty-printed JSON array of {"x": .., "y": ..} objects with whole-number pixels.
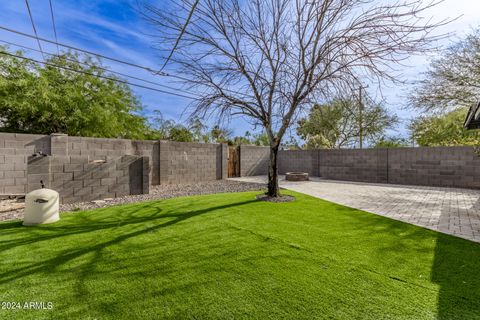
[
  {"x": 367, "y": 165},
  {"x": 96, "y": 148},
  {"x": 14, "y": 151},
  {"x": 59, "y": 144},
  {"x": 38, "y": 171},
  {"x": 177, "y": 162},
  {"x": 435, "y": 166},
  {"x": 202, "y": 161},
  {"x": 430, "y": 166},
  {"x": 101, "y": 148},
  {"x": 254, "y": 160},
  {"x": 78, "y": 179},
  {"x": 186, "y": 162},
  {"x": 224, "y": 161},
  {"x": 150, "y": 149},
  {"x": 298, "y": 161}
]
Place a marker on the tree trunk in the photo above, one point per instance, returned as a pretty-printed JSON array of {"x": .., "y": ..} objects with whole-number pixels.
[{"x": 273, "y": 188}]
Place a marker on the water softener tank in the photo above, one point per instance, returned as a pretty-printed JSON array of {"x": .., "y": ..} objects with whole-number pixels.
[{"x": 41, "y": 206}]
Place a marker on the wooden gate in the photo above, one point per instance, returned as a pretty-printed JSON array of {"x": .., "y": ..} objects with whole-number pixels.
[{"x": 233, "y": 162}]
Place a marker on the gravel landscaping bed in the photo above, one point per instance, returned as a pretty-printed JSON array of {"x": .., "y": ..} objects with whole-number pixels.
[{"x": 156, "y": 192}]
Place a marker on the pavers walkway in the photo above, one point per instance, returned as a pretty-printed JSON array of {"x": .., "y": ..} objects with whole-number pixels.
[{"x": 449, "y": 210}]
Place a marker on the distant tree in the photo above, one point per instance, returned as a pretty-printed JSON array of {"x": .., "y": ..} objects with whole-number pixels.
[
  {"x": 245, "y": 139},
  {"x": 453, "y": 79},
  {"x": 198, "y": 130},
  {"x": 44, "y": 99},
  {"x": 261, "y": 139},
  {"x": 160, "y": 125},
  {"x": 336, "y": 124},
  {"x": 291, "y": 144},
  {"x": 220, "y": 135},
  {"x": 168, "y": 129},
  {"x": 239, "y": 140},
  {"x": 269, "y": 60},
  {"x": 444, "y": 130},
  {"x": 391, "y": 142},
  {"x": 180, "y": 133}
]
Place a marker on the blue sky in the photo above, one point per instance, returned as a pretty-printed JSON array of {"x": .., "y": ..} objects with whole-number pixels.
[{"x": 114, "y": 28}]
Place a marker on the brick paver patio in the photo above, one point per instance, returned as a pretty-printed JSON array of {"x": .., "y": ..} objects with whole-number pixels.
[{"x": 449, "y": 210}]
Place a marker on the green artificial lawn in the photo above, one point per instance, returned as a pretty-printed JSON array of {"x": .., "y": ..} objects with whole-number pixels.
[{"x": 228, "y": 256}]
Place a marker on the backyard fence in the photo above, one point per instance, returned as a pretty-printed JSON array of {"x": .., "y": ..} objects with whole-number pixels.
[
  {"x": 427, "y": 166},
  {"x": 84, "y": 169}
]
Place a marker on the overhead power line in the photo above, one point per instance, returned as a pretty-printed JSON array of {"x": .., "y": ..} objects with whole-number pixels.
[
  {"x": 99, "y": 76},
  {"x": 34, "y": 29},
  {"x": 156, "y": 72},
  {"x": 82, "y": 50},
  {"x": 53, "y": 24},
  {"x": 98, "y": 67}
]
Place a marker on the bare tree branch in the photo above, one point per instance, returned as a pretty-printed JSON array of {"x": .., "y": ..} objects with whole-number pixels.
[{"x": 269, "y": 60}]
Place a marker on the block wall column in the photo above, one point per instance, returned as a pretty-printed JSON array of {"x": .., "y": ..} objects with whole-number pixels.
[
  {"x": 164, "y": 148},
  {"x": 59, "y": 144},
  {"x": 38, "y": 169},
  {"x": 146, "y": 175},
  {"x": 224, "y": 161}
]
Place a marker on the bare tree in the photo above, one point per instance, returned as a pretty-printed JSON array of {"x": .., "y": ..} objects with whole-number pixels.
[
  {"x": 267, "y": 60},
  {"x": 453, "y": 79}
]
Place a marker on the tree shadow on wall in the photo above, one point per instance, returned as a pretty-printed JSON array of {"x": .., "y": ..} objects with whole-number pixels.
[
  {"x": 42, "y": 144},
  {"x": 136, "y": 176}
]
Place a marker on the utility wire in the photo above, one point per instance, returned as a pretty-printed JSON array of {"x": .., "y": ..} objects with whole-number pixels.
[
  {"x": 34, "y": 29},
  {"x": 53, "y": 24},
  {"x": 156, "y": 72},
  {"x": 98, "y": 67},
  {"x": 96, "y": 75},
  {"x": 82, "y": 50}
]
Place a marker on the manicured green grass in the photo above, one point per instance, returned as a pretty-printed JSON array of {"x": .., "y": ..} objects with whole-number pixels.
[{"x": 228, "y": 256}]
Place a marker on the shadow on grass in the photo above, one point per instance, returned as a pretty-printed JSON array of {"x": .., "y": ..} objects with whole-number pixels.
[
  {"x": 84, "y": 225},
  {"x": 456, "y": 262},
  {"x": 456, "y": 269}
]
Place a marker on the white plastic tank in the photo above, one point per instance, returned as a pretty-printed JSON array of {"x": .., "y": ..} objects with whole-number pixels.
[{"x": 41, "y": 206}]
